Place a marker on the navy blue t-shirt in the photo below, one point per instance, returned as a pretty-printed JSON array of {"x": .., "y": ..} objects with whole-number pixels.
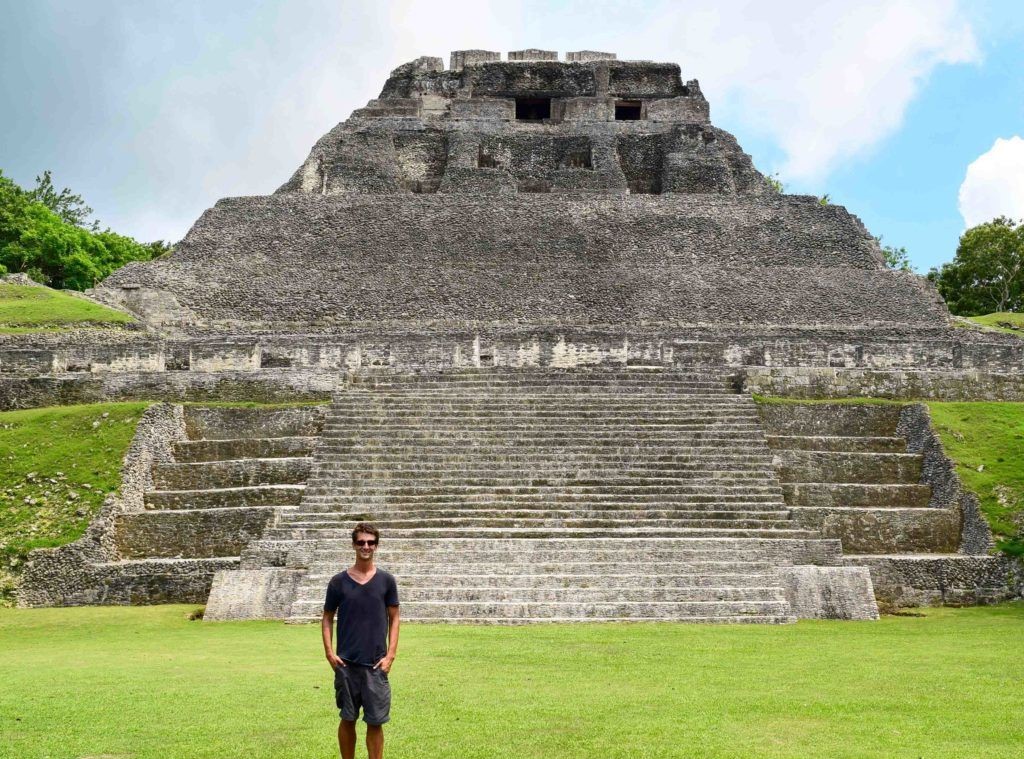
[{"x": 362, "y": 614}]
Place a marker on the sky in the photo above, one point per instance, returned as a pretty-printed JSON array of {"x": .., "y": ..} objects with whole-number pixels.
[{"x": 908, "y": 112}]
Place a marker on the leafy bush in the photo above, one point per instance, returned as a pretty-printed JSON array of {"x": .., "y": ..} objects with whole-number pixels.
[
  {"x": 42, "y": 234},
  {"x": 987, "y": 274}
]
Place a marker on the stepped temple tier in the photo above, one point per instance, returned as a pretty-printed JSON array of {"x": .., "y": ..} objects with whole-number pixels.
[{"x": 528, "y": 304}]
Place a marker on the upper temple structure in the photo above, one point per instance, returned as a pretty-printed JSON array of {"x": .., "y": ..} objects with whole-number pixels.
[
  {"x": 592, "y": 192},
  {"x": 522, "y": 315}
]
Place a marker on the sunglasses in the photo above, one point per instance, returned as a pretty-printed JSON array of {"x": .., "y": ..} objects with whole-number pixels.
[{"x": 364, "y": 542}]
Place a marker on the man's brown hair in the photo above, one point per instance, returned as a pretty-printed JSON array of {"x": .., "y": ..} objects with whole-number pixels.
[{"x": 367, "y": 528}]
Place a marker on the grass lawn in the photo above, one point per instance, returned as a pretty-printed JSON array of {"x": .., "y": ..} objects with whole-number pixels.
[
  {"x": 1004, "y": 321},
  {"x": 56, "y": 467},
  {"x": 24, "y": 308},
  {"x": 986, "y": 439},
  {"x": 146, "y": 683}
]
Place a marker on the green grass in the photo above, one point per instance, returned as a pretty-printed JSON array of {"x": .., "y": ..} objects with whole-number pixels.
[
  {"x": 24, "y": 308},
  {"x": 147, "y": 684},
  {"x": 986, "y": 439},
  {"x": 1004, "y": 321},
  {"x": 56, "y": 467}
]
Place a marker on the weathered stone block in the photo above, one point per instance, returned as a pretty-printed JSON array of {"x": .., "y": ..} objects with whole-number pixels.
[
  {"x": 873, "y": 531},
  {"x": 830, "y": 592},
  {"x": 193, "y": 534},
  {"x": 252, "y": 594}
]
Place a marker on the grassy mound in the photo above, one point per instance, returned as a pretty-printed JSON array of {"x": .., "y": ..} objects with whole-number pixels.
[
  {"x": 145, "y": 683},
  {"x": 56, "y": 467},
  {"x": 1004, "y": 321},
  {"x": 986, "y": 440},
  {"x": 24, "y": 308}
]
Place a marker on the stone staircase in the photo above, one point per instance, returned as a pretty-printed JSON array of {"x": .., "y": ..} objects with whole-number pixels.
[
  {"x": 236, "y": 470},
  {"x": 845, "y": 470},
  {"x": 523, "y": 496}
]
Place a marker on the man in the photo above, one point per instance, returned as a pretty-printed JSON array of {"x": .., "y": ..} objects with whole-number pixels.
[{"x": 366, "y": 600}]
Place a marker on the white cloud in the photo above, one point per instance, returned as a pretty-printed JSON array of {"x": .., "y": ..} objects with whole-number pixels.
[
  {"x": 994, "y": 183},
  {"x": 185, "y": 103},
  {"x": 826, "y": 81}
]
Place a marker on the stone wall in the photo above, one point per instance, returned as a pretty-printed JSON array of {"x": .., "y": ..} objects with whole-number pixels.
[
  {"x": 957, "y": 579},
  {"x": 425, "y": 260},
  {"x": 953, "y": 364},
  {"x": 904, "y": 384}
]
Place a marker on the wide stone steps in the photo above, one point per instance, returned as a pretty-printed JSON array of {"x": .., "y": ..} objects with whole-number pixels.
[
  {"x": 195, "y": 451},
  {"x": 514, "y": 412},
  {"x": 366, "y": 504},
  {"x": 470, "y": 405},
  {"x": 604, "y": 562},
  {"x": 546, "y": 379},
  {"x": 370, "y": 507},
  {"x": 261, "y": 495},
  {"x": 609, "y": 548},
  {"x": 510, "y": 496},
  {"x": 377, "y": 478},
  {"x": 552, "y": 422},
  {"x": 293, "y": 517},
  {"x": 401, "y": 469},
  {"x": 518, "y": 612},
  {"x": 605, "y": 594},
  {"x": 543, "y": 382},
  {"x": 462, "y": 487},
  {"x": 679, "y": 577},
  {"x": 485, "y": 449},
  {"x": 605, "y": 554},
  {"x": 342, "y": 534},
  {"x": 848, "y": 467},
  {"x": 838, "y": 443},
  {"x": 397, "y": 524},
  {"x": 231, "y": 423},
  {"x": 856, "y": 495},
  {"x": 610, "y": 450},
  {"x": 232, "y": 474},
  {"x": 587, "y": 442}
]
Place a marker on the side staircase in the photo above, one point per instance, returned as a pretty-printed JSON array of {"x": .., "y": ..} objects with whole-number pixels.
[
  {"x": 236, "y": 470},
  {"x": 523, "y": 496},
  {"x": 845, "y": 470},
  {"x": 875, "y": 477}
]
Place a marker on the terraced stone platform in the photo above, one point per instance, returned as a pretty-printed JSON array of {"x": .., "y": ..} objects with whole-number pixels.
[
  {"x": 874, "y": 477},
  {"x": 510, "y": 497}
]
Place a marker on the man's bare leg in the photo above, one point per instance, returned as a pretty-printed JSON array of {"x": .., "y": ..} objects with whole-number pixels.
[
  {"x": 347, "y": 739},
  {"x": 375, "y": 741}
]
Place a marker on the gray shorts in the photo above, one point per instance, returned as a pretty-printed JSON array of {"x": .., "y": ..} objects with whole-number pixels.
[{"x": 357, "y": 687}]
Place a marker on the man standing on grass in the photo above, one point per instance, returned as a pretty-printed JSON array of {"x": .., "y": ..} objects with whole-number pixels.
[{"x": 366, "y": 600}]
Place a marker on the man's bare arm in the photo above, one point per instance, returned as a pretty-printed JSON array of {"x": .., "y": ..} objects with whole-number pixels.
[
  {"x": 327, "y": 630},
  {"x": 389, "y": 658}
]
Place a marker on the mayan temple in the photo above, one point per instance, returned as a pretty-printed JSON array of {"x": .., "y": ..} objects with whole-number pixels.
[{"x": 527, "y": 305}]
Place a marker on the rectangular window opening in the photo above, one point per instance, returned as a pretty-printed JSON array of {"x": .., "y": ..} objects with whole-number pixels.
[
  {"x": 533, "y": 109},
  {"x": 579, "y": 159},
  {"x": 486, "y": 160},
  {"x": 627, "y": 110}
]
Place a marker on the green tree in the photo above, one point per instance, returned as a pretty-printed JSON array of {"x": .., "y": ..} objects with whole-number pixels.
[
  {"x": 41, "y": 234},
  {"x": 895, "y": 258},
  {"x": 987, "y": 274},
  {"x": 67, "y": 205}
]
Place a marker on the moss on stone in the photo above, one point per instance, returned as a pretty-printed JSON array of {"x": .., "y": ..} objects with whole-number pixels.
[
  {"x": 986, "y": 440},
  {"x": 25, "y": 308},
  {"x": 58, "y": 466}
]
